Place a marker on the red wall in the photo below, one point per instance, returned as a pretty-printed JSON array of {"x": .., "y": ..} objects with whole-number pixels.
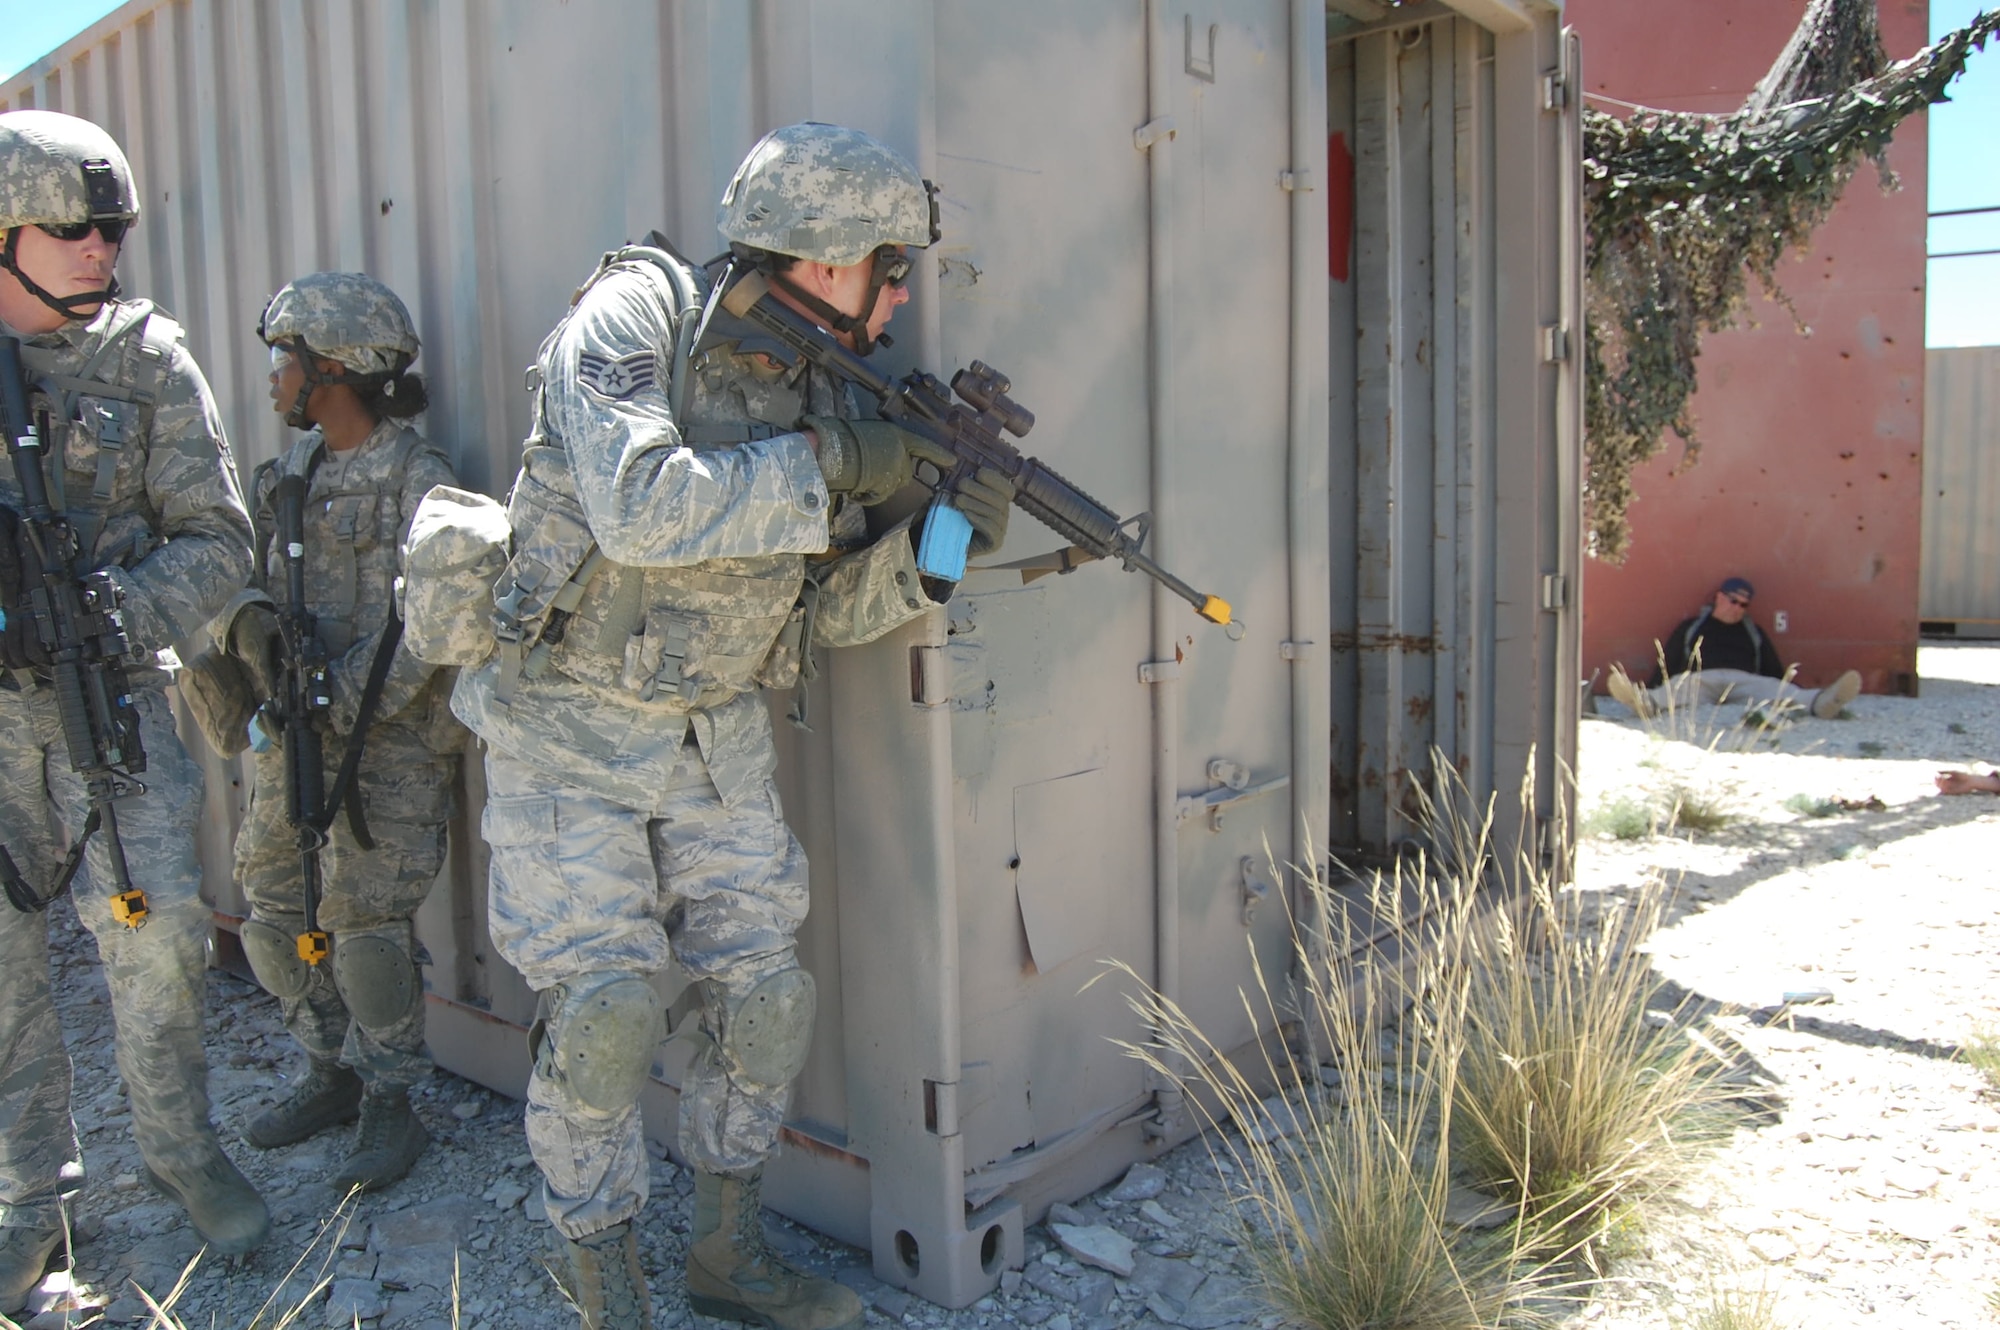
[{"x": 1810, "y": 476}]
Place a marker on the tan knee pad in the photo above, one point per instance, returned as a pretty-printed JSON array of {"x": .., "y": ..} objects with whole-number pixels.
[
  {"x": 376, "y": 972},
  {"x": 272, "y": 948},
  {"x": 598, "y": 1035},
  {"x": 769, "y": 1032}
]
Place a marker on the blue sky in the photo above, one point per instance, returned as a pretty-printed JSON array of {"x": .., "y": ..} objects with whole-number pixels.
[
  {"x": 1964, "y": 293},
  {"x": 30, "y": 29}
]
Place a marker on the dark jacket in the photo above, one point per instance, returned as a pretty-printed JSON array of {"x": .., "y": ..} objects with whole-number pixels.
[{"x": 1723, "y": 646}]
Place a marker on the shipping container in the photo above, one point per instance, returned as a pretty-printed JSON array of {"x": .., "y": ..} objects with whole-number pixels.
[{"x": 1299, "y": 281}]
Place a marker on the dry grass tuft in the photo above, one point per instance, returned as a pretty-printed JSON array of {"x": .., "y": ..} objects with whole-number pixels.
[
  {"x": 1342, "y": 1180},
  {"x": 1518, "y": 1058},
  {"x": 1571, "y": 1103},
  {"x": 1981, "y": 1052},
  {"x": 1734, "y": 1309}
]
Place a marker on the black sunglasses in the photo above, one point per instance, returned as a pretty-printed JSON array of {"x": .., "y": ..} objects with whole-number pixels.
[
  {"x": 113, "y": 229},
  {"x": 891, "y": 267}
]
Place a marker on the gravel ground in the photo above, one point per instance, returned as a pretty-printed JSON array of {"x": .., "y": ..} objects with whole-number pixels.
[
  {"x": 1871, "y": 1199},
  {"x": 1862, "y": 1201}
]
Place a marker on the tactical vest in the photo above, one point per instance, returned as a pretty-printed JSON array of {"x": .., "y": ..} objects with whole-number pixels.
[
  {"x": 353, "y": 537},
  {"x": 99, "y": 400},
  {"x": 672, "y": 639}
]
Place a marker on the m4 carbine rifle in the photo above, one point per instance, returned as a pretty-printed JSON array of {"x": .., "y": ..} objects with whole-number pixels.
[
  {"x": 307, "y": 696},
  {"x": 974, "y": 428},
  {"x": 79, "y": 638}
]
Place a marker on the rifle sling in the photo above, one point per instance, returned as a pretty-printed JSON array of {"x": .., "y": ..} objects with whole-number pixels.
[
  {"x": 345, "y": 789},
  {"x": 23, "y": 896}
]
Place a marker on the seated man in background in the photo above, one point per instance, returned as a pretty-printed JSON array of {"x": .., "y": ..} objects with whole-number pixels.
[{"x": 1721, "y": 654}]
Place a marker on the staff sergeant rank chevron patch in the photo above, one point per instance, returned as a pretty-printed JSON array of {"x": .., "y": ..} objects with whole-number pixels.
[{"x": 619, "y": 379}]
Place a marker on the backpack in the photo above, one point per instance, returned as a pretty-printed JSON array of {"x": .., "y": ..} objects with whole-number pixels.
[
  {"x": 466, "y": 592},
  {"x": 458, "y": 545}
]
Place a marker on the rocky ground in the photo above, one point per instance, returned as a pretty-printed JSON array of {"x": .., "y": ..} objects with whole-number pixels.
[{"x": 1865, "y": 1197}]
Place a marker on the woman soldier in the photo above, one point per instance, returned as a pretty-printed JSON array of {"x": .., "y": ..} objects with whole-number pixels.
[{"x": 341, "y": 346}]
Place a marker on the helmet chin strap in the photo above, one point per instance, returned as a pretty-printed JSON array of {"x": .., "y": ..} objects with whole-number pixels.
[
  {"x": 77, "y": 307},
  {"x": 857, "y": 328},
  {"x": 312, "y": 376}
]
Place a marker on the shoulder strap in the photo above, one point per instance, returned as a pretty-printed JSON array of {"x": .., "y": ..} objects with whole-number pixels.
[
  {"x": 408, "y": 444},
  {"x": 110, "y": 428},
  {"x": 344, "y": 790},
  {"x": 687, "y": 284},
  {"x": 156, "y": 347},
  {"x": 261, "y": 535},
  {"x": 302, "y": 459},
  {"x": 1693, "y": 631},
  {"x": 1756, "y": 642},
  {"x": 681, "y": 278},
  {"x": 131, "y": 317},
  {"x": 157, "y": 340}
]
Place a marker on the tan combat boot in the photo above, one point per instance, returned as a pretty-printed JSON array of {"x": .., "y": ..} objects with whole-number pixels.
[
  {"x": 733, "y": 1275},
  {"x": 326, "y": 1096},
  {"x": 24, "y": 1259},
  {"x": 225, "y": 1208},
  {"x": 388, "y": 1144},
  {"x": 601, "y": 1275}
]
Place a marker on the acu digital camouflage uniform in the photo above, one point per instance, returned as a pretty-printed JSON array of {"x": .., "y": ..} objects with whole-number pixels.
[
  {"x": 354, "y": 525},
  {"x": 631, "y": 810},
  {"x": 138, "y": 459},
  {"x": 359, "y": 1013}
]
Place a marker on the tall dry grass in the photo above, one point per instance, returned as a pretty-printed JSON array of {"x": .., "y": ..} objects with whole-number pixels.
[
  {"x": 1572, "y": 1103},
  {"x": 1343, "y": 1181},
  {"x": 1461, "y": 1024}
]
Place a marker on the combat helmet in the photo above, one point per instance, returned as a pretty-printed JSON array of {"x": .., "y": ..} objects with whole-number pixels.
[
  {"x": 62, "y": 174},
  {"x": 827, "y": 194},
  {"x": 346, "y": 317}
]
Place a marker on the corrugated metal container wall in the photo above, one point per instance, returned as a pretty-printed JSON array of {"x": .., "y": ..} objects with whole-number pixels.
[
  {"x": 1961, "y": 570},
  {"x": 1136, "y": 204}
]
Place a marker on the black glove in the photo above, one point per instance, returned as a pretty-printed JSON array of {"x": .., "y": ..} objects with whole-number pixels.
[
  {"x": 868, "y": 460},
  {"x": 20, "y": 644},
  {"x": 985, "y": 497},
  {"x": 255, "y": 640}
]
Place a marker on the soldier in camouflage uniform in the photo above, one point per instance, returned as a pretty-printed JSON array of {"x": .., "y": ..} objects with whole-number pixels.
[
  {"x": 137, "y": 458},
  {"x": 678, "y": 500},
  {"x": 341, "y": 346}
]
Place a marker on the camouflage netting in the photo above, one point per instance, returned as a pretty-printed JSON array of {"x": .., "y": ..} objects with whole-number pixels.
[{"x": 1681, "y": 209}]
